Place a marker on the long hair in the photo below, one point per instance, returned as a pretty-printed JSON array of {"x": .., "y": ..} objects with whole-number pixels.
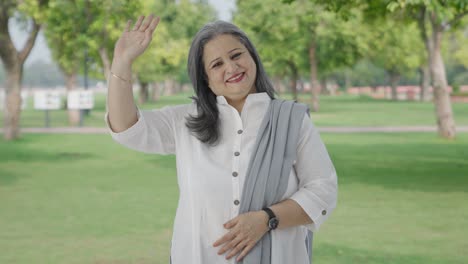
[{"x": 205, "y": 125}]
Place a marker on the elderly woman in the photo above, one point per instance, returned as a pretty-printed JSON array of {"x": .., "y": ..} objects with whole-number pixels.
[{"x": 253, "y": 174}]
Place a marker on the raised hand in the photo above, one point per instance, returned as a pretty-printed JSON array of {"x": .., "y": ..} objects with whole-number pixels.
[{"x": 132, "y": 43}]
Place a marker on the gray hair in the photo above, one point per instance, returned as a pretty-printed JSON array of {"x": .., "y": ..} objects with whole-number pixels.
[{"x": 205, "y": 125}]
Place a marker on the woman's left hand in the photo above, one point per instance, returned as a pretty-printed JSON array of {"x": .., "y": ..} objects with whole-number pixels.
[{"x": 245, "y": 231}]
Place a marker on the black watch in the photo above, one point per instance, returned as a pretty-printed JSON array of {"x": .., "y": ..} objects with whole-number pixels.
[{"x": 272, "y": 221}]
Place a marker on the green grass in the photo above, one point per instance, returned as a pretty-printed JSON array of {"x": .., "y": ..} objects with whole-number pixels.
[
  {"x": 344, "y": 110},
  {"x": 85, "y": 199}
]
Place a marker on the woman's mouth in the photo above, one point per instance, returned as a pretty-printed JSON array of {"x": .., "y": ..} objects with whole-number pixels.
[{"x": 236, "y": 78}]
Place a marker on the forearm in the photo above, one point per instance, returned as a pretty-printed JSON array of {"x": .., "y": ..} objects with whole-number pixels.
[
  {"x": 290, "y": 213},
  {"x": 120, "y": 103}
]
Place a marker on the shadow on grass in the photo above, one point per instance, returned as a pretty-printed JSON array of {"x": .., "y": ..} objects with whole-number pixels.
[
  {"x": 430, "y": 166},
  {"x": 23, "y": 152},
  {"x": 37, "y": 148},
  {"x": 7, "y": 177},
  {"x": 327, "y": 253},
  {"x": 18, "y": 154}
]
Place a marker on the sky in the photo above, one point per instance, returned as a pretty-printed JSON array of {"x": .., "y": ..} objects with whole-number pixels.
[{"x": 41, "y": 52}]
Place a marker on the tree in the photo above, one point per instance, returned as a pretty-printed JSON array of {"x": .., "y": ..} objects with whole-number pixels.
[
  {"x": 78, "y": 30},
  {"x": 303, "y": 37},
  {"x": 63, "y": 33},
  {"x": 396, "y": 48},
  {"x": 279, "y": 41},
  {"x": 13, "y": 60},
  {"x": 435, "y": 17},
  {"x": 166, "y": 58}
]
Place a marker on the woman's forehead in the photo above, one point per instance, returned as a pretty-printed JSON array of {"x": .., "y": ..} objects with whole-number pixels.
[{"x": 220, "y": 45}]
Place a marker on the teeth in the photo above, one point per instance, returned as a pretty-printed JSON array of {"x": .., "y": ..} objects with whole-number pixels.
[{"x": 236, "y": 78}]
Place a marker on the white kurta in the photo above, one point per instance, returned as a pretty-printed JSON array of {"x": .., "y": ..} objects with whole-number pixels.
[{"x": 211, "y": 179}]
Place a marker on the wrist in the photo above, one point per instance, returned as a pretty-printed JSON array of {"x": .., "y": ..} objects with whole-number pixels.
[
  {"x": 272, "y": 221},
  {"x": 121, "y": 62},
  {"x": 122, "y": 68},
  {"x": 264, "y": 220}
]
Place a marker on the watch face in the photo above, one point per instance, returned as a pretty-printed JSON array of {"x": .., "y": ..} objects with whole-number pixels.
[{"x": 273, "y": 223}]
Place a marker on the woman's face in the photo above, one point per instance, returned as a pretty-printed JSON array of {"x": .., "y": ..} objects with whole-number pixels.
[{"x": 230, "y": 69}]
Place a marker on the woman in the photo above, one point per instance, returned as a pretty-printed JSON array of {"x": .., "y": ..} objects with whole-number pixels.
[{"x": 241, "y": 199}]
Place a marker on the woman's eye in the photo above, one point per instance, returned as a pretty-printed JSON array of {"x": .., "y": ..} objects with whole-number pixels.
[
  {"x": 237, "y": 55},
  {"x": 216, "y": 64}
]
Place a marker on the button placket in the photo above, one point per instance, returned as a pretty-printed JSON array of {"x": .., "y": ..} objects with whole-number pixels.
[{"x": 236, "y": 153}]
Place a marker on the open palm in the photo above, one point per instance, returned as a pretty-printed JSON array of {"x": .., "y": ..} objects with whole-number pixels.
[{"x": 132, "y": 43}]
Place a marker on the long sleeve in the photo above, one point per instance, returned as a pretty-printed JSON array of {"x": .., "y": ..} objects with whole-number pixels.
[
  {"x": 154, "y": 132},
  {"x": 317, "y": 193}
]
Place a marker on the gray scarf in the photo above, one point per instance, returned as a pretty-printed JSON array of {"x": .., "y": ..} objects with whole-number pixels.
[{"x": 270, "y": 166}]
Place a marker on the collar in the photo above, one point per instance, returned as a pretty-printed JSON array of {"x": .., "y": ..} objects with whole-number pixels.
[{"x": 253, "y": 97}]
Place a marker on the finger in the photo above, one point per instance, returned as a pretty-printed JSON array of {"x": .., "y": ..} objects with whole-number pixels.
[
  {"x": 227, "y": 237},
  {"x": 150, "y": 30},
  {"x": 245, "y": 251},
  {"x": 230, "y": 245},
  {"x": 127, "y": 27},
  {"x": 146, "y": 23},
  {"x": 153, "y": 25},
  {"x": 238, "y": 248},
  {"x": 138, "y": 23}
]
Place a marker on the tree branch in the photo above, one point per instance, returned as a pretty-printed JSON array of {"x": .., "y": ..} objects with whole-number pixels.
[
  {"x": 457, "y": 18},
  {"x": 23, "y": 54},
  {"x": 7, "y": 50}
]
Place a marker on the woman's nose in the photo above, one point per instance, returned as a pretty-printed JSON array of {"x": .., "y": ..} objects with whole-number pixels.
[{"x": 232, "y": 67}]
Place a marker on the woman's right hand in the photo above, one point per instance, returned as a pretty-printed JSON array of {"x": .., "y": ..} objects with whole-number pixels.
[{"x": 132, "y": 43}]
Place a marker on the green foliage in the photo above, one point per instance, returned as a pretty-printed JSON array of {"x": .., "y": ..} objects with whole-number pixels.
[
  {"x": 283, "y": 33},
  {"x": 396, "y": 46},
  {"x": 167, "y": 55},
  {"x": 73, "y": 26}
]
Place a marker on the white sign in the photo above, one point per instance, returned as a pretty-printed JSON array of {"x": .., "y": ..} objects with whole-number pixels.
[
  {"x": 24, "y": 99},
  {"x": 47, "y": 100},
  {"x": 83, "y": 99}
]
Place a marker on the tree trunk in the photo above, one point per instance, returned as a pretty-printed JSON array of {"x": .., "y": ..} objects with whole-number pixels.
[
  {"x": 105, "y": 62},
  {"x": 313, "y": 77},
  {"x": 425, "y": 71},
  {"x": 347, "y": 79},
  {"x": 12, "y": 110},
  {"x": 424, "y": 82},
  {"x": 323, "y": 86},
  {"x": 13, "y": 61},
  {"x": 443, "y": 105},
  {"x": 156, "y": 91},
  {"x": 293, "y": 80},
  {"x": 394, "y": 80},
  {"x": 144, "y": 93},
  {"x": 279, "y": 86},
  {"x": 177, "y": 87},
  {"x": 73, "y": 114},
  {"x": 169, "y": 86}
]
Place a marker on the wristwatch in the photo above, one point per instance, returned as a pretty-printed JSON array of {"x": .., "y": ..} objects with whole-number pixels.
[{"x": 273, "y": 222}]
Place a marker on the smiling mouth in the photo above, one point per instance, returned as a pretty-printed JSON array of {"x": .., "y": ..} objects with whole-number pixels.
[{"x": 236, "y": 78}]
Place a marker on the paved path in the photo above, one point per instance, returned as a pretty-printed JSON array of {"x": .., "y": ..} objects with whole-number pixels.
[{"x": 365, "y": 129}]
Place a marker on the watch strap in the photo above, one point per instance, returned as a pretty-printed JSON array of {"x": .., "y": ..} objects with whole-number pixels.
[{"x": 270, "y": 212}]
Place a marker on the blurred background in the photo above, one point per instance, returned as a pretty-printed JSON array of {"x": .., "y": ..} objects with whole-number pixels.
[{"x": 386, "y": 82}]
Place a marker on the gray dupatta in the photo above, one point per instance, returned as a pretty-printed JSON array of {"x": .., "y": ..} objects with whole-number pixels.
[{"x": 269, "y": 168}]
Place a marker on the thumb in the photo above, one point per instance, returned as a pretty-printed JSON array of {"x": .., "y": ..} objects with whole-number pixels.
[{"x": 231, "y": 223}]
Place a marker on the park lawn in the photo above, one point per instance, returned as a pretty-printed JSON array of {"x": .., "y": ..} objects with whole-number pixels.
[
  {"x": 343, "y": 110},
  {"x": 85, "y": 199}
]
